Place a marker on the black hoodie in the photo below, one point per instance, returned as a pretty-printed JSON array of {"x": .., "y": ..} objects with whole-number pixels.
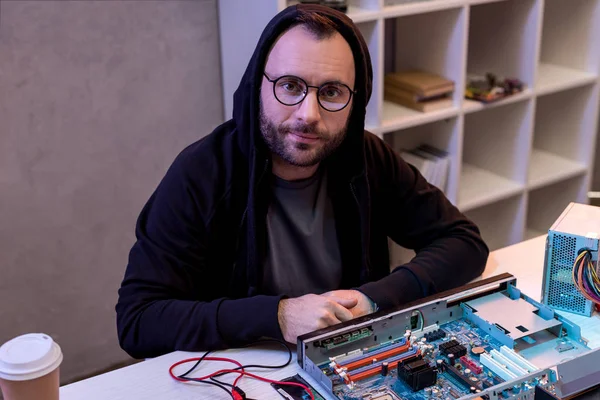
[{"x": 193, "y": 277}]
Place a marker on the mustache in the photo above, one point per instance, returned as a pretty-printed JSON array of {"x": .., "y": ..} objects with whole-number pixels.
[{"x": 302, "y": 128}]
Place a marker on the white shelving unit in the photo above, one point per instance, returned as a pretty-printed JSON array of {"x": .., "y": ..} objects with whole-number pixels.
[
  {"x": 514, "y": 164},
  {"x": 547, "y": 203},
  {"x": 495, "y": 150},
  {"x": 501, "y": 222}
]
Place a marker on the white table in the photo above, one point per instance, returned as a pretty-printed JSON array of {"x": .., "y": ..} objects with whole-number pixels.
[{"x": 150, "y": 379}]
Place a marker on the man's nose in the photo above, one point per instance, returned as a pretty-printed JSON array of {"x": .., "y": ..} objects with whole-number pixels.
[{"x": 309, "y": 110}]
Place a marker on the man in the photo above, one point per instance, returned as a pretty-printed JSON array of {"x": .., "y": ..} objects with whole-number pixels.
[{"x": 276, "y": 224}]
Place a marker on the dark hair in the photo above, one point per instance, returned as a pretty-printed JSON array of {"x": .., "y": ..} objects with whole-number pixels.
[{"x": 317, "y": 24}]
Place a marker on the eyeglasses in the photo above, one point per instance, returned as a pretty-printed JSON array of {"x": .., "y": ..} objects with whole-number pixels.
[{"x": 290, "y": 90}]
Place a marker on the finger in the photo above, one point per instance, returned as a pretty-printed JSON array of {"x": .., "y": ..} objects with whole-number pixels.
[
  {"x": 328, "y": 320},
  {"x": 344, "y": 302},
  {"x": 342, "y": 313}
]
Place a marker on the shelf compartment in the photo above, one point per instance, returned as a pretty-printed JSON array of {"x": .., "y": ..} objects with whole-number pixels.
[
  {"x": 547, "y": 168},
  {"x": 569, "y": 35},
  {"x": 498, "y": 141},
  {"x": 475, "y": 2},
  {"x": 479, "y": 187},
  {"x": 397, "y": 117},
  {"x": 444, "y": 135},
  {"x": 470, "y": 106},
  {"x": 358, "y": 14},
  {"x": 546, "y": 204},
  {"x": 372, "y": 33},
  {"x": 565, "y": 124},
  {"x": 358, "y": 10},
  {"x": 397, "y": 9},
  {"x": 554, "y": 78},
  {"x": 432, "y": 42},
  {"x": 502, "y": 223},
  {"x": 502, "y": 39}
]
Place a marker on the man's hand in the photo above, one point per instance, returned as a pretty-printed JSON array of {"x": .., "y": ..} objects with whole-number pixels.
[
  {"x": 311, "y": 312},
  {"x": 363, "y": 305}
]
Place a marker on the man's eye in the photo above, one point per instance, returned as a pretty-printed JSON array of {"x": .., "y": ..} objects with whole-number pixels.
[
  {"x": 331, "y": 92},
  {"x": 291, "y": 87}
]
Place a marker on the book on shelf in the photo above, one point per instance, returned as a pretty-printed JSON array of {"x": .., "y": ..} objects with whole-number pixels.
[
  {"x": 418, "y": 90},
  {"x": 422, "y": 83},
  {"x": 433, "y": 104},
  {"x": 432, "y": 163}
]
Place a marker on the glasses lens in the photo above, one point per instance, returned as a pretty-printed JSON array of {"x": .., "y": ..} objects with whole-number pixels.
[
  {"x": 334, "y": 96},
  {"x": 290, "y": 90}
]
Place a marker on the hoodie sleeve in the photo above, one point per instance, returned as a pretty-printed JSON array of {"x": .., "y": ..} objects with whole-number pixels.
[
  {"x": 449, "y": 249},
  {"x": 166, "y": 300}
]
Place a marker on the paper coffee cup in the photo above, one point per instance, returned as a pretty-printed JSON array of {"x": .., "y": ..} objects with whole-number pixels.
[{"x": 29, "y": 367}]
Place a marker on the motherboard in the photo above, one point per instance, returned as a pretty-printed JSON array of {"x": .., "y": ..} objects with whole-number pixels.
[
  {"x": 495, "y": 344},
  {"x": 445, "y": 363}
]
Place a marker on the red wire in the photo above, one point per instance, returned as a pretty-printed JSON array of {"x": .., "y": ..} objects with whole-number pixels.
[
  {"x": 241, "y": 373},
  {"x": 198, "y": 358}
]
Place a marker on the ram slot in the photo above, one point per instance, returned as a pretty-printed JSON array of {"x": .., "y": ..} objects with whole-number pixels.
[
  {"x": 496, "y": 367},
  {"x": 518, "y": 359},
  {"x": 372, "y": 370},
  {"x": 412, "y": 351},
  {"x": 375, "y": 357},
  {"x": 345, "y": 361},
  {"x": 514, "y": 368},
  {"x": 384, "y": 345}
]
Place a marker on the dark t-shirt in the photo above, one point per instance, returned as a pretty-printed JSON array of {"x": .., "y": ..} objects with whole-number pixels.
[{"x": 303, "y": 254}]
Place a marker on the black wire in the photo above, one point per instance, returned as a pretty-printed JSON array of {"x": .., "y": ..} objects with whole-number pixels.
[
  {"x": 289, "y": 360},
  {"x": 212, "y": 378},
  {"x": 215, "y": 383},
  {"x": 270, "y": 366},
  {"x": 211, "y": 383},
  {"x": 195, "y": 365},
  {"x": 219, "y": 383}
]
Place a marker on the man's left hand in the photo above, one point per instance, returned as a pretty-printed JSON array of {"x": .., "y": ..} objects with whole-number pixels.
[{"x": 364, "y": 306}]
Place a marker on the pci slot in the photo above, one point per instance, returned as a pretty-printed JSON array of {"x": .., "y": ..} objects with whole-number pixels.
[
  {"x": 518, "y": 359},
  {"x": 375, "y": 357},
  {"x": 372, "y": 370},
  {"x": 496, "y": 367},
  {"x": 514, "y": 368}
]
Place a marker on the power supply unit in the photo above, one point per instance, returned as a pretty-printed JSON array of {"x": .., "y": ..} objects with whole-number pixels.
[{"x": 572, "y": 241}]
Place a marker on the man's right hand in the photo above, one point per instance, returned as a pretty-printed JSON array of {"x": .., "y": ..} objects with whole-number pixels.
[{"x": 310, "y": 312}]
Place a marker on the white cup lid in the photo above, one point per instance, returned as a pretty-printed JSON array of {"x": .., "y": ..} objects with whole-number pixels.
[{"x": 28, "y": 357}]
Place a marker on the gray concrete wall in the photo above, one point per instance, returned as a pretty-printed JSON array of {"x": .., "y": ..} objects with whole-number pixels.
[{"x": 96, "y": 99}]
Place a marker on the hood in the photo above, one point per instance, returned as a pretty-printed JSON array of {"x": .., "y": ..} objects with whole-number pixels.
[{"x": 349, "y": 157}]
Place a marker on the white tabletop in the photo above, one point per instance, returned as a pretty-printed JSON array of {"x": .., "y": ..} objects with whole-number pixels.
[{"x": 150, "y": 379}]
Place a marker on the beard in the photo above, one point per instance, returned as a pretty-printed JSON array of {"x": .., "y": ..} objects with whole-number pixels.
[{"x": 279, "y": 141}]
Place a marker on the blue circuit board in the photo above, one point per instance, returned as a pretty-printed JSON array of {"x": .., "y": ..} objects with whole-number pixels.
[{"x": 448, "y": 385}]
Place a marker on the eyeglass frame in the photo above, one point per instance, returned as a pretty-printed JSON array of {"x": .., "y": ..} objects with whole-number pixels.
[{"x": 274, "y": 81}]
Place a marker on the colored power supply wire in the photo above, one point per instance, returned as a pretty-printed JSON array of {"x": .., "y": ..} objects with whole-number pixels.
[{"x": 585, "y": 277}]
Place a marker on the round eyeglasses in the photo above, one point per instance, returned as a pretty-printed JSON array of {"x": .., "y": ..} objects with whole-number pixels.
[{"x": 290, "y": 90}]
